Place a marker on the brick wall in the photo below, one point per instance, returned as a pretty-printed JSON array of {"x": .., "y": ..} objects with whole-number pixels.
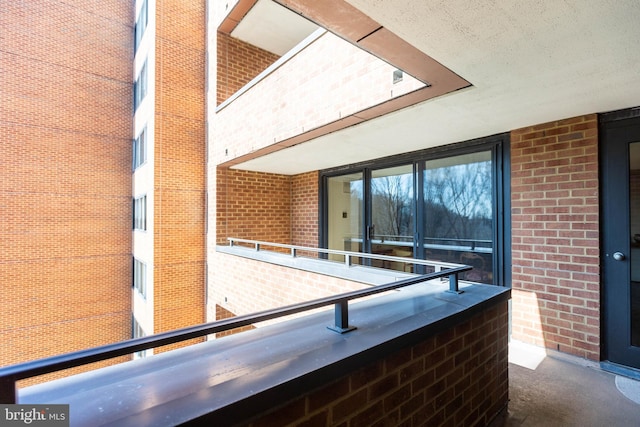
[
  {"x": 179, "y": 176},
  {"x": 65, "y": 176},
  {"x": 268, "y": 207},
  {"x": 253, "y": 205},
  {"x": 238, "y": 63},
  {"x": 554, "y": 196},
  {"x": 459, "y": 377},
  {"x": 243, "y": 286},
  {"x": 305, "y": 211}
]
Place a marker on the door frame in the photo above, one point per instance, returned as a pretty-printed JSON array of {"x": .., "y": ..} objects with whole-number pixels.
[{"x": 617, "y": 351}]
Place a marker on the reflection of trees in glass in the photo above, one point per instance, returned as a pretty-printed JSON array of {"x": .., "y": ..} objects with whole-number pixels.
[
  {"x": 458, "y": 201},
  {"x": 392, "y": 207}
]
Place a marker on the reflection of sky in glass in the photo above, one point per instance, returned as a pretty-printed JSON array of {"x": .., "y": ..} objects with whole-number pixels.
[
  {"x": 392, "y": 207},
  {"x": 465, "y": 187},
  {"x": 458, "y": 197},
  {"x": 400, "y": 186}
]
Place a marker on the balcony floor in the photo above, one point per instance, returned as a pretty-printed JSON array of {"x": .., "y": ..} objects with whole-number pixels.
[{"x": 566, "y": 391}]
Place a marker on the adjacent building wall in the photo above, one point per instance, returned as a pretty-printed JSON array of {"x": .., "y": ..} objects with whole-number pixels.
[
  {"x": 179, "y": 174},
  {"x": 555, "y": 229},
  {"x": 65, "y": 176}
]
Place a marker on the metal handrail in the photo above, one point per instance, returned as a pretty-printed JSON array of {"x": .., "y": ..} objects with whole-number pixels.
[
  {"x": 11, "y": 374},
  {"x": 257, "y": 244}
]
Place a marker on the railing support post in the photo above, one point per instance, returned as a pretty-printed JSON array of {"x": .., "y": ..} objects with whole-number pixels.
[
  {"x": 293, "y": 252},
  {"x": 342, "y": 318},
  {"x": 453, "y": 284},
  {"x": 257, "y": 247},
  {"x": 8, "y": 391}
]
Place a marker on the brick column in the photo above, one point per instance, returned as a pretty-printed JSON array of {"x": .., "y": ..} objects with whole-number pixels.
[{"x": 555, "y": 226}]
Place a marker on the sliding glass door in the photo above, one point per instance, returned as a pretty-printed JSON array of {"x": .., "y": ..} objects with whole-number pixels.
[
  {"x": 458, "y": 213},
  {"x": 345, "y": 215},
  {"x": 439, "y": 206},
  {"x": 391, "y": 227}
]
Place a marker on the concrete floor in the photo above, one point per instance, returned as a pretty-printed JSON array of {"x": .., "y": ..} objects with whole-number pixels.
[{"x": 552, "y": 389}]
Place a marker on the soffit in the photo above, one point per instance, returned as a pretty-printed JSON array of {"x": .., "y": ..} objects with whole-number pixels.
[
  {"x": 529, "y": 62},
  {"x": 267, "y": 25}
]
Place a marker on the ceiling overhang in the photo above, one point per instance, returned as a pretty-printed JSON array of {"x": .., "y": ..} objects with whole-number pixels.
[
  {"x": 350, "y": 24},
  {"x": 530, "y": 63}
]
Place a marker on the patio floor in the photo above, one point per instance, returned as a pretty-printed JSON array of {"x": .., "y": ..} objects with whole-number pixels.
[{"x": 549, "y": 389}]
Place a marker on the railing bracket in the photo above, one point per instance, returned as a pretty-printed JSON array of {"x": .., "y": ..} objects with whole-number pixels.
[
  {"x": 340, "y": 330},
  {"x": 341, "y": 318},
  {"x": 453, "y": 285}
]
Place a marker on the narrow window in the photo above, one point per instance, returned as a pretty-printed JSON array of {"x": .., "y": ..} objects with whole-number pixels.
[
  {"x": 140, "y": 213},
  {"x": 140, "y": 87},
  {"x": 137, "y": 332},
  {"x": 140, "y": 149},
  {"x": 140, "y": 277},
  {"x": 141, "y": 23}
]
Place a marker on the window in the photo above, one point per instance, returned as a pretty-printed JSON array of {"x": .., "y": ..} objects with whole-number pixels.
[
  {"x": 137, "y": 332},
  {"x": 140, "y": 149},
  {"x": 344, "y": 219},
  {"x": 140, "y": 277},
  {"x": 140, "y": 87},
  {"x": 458, "y": 213},
  {"x": 140, "y": 213},
  {"x": 448, "y": 204},
  {"x": 392, "y": 214},
  {"x": 141, "y": 23}
]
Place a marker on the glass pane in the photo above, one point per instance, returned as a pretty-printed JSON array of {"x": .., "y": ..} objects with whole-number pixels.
[
  {"x": 458, "y": 206},
  {"x": 634, "y": 215},
  {"x": 392, "y": 215},
  {"x": 345, "y": 206}
]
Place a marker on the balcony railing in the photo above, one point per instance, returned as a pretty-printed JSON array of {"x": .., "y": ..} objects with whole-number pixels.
[
  {"x": 11, "y": 374},
  {"x": 348, "y": 255}
]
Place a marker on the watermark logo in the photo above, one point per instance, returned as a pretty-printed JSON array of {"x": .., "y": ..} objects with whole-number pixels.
[{"x": 34, "y": 415}]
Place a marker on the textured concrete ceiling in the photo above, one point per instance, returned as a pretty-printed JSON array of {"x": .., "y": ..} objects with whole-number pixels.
[{"x": 529, "y": 62}]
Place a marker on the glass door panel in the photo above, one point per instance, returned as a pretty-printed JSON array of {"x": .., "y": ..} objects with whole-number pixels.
[
  {"x": 458, "y": 213},
  {"x": 392, "y": 216},
  {"x": 345, "y": 214}
]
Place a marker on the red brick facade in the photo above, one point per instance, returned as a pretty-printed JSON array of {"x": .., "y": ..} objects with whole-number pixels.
[
  {"x": 304, "y": 205},
  {"x": 65, "y": 176},
  {"x": 179, "y": 174},
  {"x": 555, "y": 226},
  {"x": 253, "y": 205},
  {"x": 456, "y": 378},
  {"x": 238, "y": 63}
]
